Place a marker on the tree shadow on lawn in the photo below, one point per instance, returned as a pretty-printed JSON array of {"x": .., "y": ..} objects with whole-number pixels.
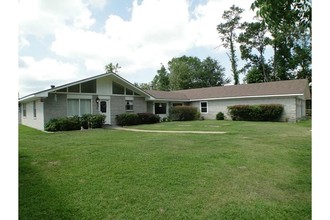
[{"x": 37, "y": 199}]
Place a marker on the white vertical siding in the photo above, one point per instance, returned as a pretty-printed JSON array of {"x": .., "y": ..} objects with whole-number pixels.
[
  {"x": 31, "y": 121},
  {"x": 104, "y": 86}
]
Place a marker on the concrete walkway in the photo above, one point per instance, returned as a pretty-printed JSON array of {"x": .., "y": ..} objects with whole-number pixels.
[{"x": 172, "y": 132}]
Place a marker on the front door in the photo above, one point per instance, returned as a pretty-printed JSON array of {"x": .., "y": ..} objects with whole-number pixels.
[{"x": 104, "y": 109}]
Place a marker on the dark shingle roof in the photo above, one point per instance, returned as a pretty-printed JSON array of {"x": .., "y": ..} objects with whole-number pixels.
[
  {"x": 277, "y": 88},
  {"x": 168, "y": 95}
]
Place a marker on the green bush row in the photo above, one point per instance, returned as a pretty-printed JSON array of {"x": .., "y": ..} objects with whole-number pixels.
[
  {"x": 184, "y": 113},
  {"x": 136, "y": 119},
  {"x": 75, "y": 122},
  {"x": 262, "y": 112}
]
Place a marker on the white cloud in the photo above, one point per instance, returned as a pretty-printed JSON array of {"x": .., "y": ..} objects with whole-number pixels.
[
  {"x": 42, "y": 17},
  {"x": 43, "y": 72},
  {"x": 23, "y": 42},
  {"x": 208, "y": 16},
  {"x": 84, "y": 20},
  {"x": 157, "y": 32},
  {"x": 98, "y": 4}
]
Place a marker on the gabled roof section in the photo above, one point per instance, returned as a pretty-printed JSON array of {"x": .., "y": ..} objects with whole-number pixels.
[
  {"x": 44, "y": 93},
  {"x": 268, "y": 89}
]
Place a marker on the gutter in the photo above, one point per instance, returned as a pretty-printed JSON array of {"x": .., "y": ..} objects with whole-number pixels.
[{"x": 243, "y": 97}]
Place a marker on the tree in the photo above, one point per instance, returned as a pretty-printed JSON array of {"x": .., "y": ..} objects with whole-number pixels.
[
  {"x": 190, "y": 72},
  {"x": 289, "y": 22},
  {"x": 228, "y": 36},
  {"x": 183, "y": 72},
  {"x": 254, "y": 39},
  {"x": 255, "y": 74},
  {"x": 143, "y": 86},
  {"x": 110, "y": 68},
  {"x": 211, "y": 74},
  {"x": 161, "y": 81},
  {"x": 278, "y": 14}
]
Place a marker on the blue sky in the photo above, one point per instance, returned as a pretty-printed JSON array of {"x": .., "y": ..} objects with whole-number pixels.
[{"x": 63, "y": 41}]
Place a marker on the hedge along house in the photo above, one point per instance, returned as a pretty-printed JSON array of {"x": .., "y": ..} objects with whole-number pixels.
[{"x": 111, "y": 95}]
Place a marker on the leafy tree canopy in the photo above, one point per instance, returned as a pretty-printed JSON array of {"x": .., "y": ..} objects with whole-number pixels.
[
  {"x": 188, "y": 72},
  {"x": 111, "y": 68}
]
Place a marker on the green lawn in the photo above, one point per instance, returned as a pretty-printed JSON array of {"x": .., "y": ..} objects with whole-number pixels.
[{"x": 257, "y": 170}]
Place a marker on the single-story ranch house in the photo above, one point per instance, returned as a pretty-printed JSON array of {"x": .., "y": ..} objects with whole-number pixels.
[{"x": 111, "y": 95}]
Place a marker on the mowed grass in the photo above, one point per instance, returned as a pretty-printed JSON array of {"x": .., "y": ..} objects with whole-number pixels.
[{"x": 257, "y": 170}]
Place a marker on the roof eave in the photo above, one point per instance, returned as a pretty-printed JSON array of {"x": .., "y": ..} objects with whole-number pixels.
[
  {"x": 169, "y": 100},
  {"x": 33, "y": 97},
  {"x": 244, "y": 97}
]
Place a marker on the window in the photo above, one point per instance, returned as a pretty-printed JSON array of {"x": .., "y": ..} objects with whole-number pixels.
[
  {"x": 88, "y": 87},
  {"x": 74, "y": 88},
  {"x": 24, "y": 109},
  {"x": 103, "y": 106},
  {"x": 117, "y": 89},
  {"x": 204, "y": 107},
  {"x": 129, "y": 92},
  {"x": 62, "y": 90},
  {"x": 79, "y": 107},
  {"x": 129, "y": 105},
  {"x": 34, "y": 109},
  {"x": 85, "y": 106},
  {"x": 160, "y": 108}
]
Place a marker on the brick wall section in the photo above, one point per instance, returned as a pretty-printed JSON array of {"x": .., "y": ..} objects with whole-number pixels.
[
  {"x": 150, "y": 107},
  {"x": 117, "y": 106},
  {"x": 55, "y": 108},
  {"x": 140, "y": 105}
]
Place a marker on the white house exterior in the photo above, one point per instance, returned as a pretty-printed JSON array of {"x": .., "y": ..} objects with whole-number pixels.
[
  {"x": 292, "y": 94},
  {"x": 111, "y": 95}
]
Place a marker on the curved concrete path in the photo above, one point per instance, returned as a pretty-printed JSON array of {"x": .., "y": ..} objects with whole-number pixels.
[{"x": 162, "y": 131}]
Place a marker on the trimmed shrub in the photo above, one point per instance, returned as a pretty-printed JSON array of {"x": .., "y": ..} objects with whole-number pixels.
[
  {"x": 220, "y": 116},
  {"x": 98, "y": 121},
  {"x": 126, "y": 119},
  {"x": 93, "y": 121},
  {"x": 75, "y": 122},
  {"x": 52, "y": 125},
  {"x": 263, "y": 112},
  {"x": 148, "y": 118},
  {"x": 183, "y": 113},
  {"x": 63, "y": 124}
]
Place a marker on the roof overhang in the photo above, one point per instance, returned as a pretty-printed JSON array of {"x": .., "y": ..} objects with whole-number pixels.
[
  {"x": 33, "y": 97},
  {"x": 168, "y": 100},
  {"x": 249, "y": 97}
]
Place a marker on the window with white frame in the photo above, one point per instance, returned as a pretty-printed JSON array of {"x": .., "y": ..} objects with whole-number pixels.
[
  {"x": 129, "y": 105},
  {"x": 79, "y": 107},
  {"x": 204, "y": 107}
]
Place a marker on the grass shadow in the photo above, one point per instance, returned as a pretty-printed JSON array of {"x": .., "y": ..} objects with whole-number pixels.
[{"x": 37, "y": 199}]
